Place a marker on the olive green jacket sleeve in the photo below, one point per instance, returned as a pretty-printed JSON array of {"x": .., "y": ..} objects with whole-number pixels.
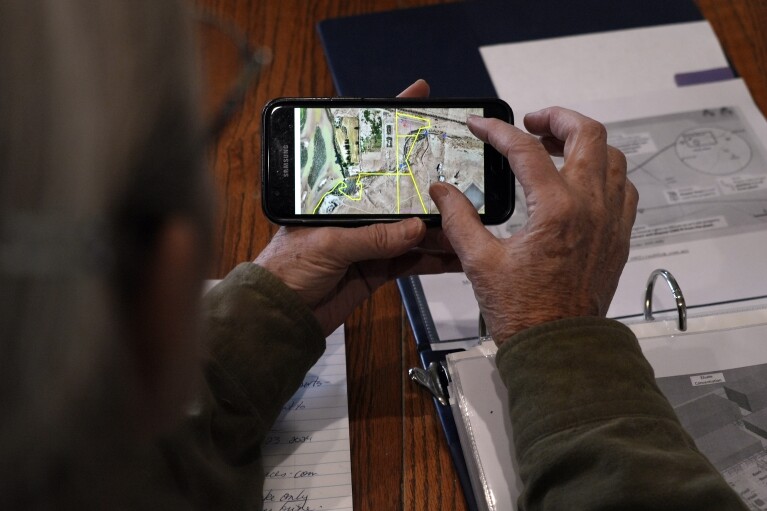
[
  {"x": 593, "y": 431},
  {"x": 261, "y": 340}
]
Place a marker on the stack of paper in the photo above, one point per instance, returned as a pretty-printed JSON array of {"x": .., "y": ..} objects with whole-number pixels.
[{"x": 696, "y": 154}]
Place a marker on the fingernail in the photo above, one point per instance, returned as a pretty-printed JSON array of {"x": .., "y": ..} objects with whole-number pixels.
[{"x": 412, "y": 228}]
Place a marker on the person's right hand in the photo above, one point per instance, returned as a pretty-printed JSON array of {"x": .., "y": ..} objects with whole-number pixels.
[{"x": 567, "y": 259}]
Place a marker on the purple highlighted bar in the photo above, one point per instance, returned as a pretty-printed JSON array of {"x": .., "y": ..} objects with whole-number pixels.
[{"x": 706, "y": 76}]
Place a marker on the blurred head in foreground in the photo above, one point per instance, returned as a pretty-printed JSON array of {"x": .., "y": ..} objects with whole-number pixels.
[{"x": 103, "y": 235}]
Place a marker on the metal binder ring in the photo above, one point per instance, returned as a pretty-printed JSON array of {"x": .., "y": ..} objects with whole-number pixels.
[{"x": 681, "y": 307}]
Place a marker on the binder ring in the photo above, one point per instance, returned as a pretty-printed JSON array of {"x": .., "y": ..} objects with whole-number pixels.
[{"x": 681, "y": 306}]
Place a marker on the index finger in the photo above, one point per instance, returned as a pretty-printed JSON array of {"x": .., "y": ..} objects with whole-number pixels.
[
  {"x": 528, "y": 158},
  {"x": 585, "y": 140}
]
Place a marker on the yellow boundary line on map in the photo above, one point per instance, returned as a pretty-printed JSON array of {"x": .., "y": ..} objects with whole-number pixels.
[
  {"x": 341, "y": 185},
  {"x": 407, "y": 157}
]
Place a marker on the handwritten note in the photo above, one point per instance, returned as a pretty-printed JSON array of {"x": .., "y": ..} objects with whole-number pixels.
[{"x": 306, "y": 454}]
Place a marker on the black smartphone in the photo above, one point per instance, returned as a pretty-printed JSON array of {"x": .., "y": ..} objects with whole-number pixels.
[{"x": 353, "y": 161}]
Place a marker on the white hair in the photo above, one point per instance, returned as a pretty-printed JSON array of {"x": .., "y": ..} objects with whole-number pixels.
[{"x": 99, "y": 124}]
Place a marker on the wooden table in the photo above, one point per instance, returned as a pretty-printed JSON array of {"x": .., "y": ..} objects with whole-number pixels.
[{"x": 399, "y": 456}]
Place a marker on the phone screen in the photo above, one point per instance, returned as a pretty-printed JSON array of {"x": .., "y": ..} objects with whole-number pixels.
[
  {"x": 352, "y": 161},
  {"x": 381, "y": 161}
]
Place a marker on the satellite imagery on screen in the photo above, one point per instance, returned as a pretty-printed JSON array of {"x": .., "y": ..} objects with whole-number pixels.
[{"x": 382, "y": 161}]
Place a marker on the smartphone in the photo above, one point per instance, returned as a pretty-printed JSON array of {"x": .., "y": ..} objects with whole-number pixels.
[{"x": 353, "y": 161}]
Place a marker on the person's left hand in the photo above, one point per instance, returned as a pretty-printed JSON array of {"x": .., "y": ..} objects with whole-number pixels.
[{"x": 334, "y": 268}]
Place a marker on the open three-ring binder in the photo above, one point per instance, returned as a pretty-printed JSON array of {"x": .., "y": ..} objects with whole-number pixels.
[{"x": 711, "y": 364}]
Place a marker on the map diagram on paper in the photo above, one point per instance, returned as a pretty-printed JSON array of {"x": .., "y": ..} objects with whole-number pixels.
[
  {"x": 382, "y": 161},
  {"x": 700, "y": 174}
]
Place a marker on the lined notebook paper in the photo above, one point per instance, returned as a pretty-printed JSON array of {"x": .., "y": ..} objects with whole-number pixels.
[{"x": 306, "y": 454}]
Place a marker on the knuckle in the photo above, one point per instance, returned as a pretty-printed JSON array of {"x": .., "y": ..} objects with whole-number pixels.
[
  {"x": 617, "y": 161},
  {"x": 631, "y": 191},
  {"x": 567, "y": 214},
  {"x": 620, "y": 158},
  {"x": 507, "y": 139},
  {"x": 322, "y": 240},
  {"x": 594, "y": 130},
  {"x": 565, "y": 116},
  {"x": 379, "y": 236},
  {"x": 632, "y": 195},
  {"x": 525, "y": 147},
  {"x": 502, "y": 139},
  {"x": 557, "y": 113}
]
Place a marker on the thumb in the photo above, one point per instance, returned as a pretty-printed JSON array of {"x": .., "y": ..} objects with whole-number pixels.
[
  {"x": 381, "y": 241},
  {"x": 460, "y": 221}
]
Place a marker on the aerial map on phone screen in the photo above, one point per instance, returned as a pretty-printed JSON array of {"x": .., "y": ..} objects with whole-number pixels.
[{"x": 363, "y": 161}]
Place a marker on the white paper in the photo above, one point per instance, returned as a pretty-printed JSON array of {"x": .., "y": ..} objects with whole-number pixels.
[
  {"x": 711, "y": 343},
  {"x": 720, "y": 258},
  {"x": 724, "y": 260},
  {"x": 619, "y": 106},
  {"x": 708, "y": 271},
  {"x": 307, "y": 458},
  {"x": 571, "y": 70},
  {"x": 452, "y": 305}
]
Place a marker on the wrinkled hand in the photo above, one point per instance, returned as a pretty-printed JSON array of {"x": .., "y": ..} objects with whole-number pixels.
[
  {"x": 333, "y": 269},
  {"x": 568, "y": 257}
]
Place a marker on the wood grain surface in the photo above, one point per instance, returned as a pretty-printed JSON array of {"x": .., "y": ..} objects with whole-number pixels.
[{"x": 399, "y": 456}]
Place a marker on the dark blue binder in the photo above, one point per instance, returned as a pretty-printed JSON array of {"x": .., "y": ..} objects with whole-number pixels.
[
  {"x": 378, "y": 55},
  {"x": 426, "y": 338}
]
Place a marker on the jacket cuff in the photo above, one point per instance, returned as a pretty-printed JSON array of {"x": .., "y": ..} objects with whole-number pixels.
[
  {"x": 568, "y": 373},
  {"x": 262, "y": 340}
]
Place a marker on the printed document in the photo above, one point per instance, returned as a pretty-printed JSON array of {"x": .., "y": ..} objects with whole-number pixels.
[{"x": 697, "y": 156}]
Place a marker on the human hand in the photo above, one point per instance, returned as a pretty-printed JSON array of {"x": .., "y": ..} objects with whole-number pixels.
[
  {"x": 567, "y": 259},
  {"x": 334, "y": 268}
]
